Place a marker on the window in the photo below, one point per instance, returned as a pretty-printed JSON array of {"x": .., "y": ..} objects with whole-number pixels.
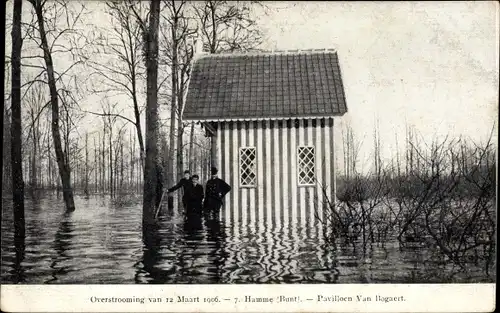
[
  {"x": 305, "y": 162},
  {"x": 247, "y": 167}
]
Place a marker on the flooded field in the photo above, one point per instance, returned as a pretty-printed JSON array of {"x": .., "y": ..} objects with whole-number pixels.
[{"x": 102, "y": 243}]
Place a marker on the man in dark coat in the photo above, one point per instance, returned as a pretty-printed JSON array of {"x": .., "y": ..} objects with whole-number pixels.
[
  {"x": 216, "y": 189},
  {"x": 194, "y": 197},
  {"x": 185, "y": 183}
]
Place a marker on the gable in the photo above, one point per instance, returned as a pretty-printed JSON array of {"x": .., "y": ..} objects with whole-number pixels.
[{"x": 265, "y": 86}]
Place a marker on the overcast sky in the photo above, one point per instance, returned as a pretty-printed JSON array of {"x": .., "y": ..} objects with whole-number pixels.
[{"x": 432, "y": 65}]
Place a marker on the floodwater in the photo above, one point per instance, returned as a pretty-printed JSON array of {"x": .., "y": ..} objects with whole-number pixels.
[{"x": 102, "y": 243}]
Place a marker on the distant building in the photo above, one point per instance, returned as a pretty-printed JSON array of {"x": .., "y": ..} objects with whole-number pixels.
[{"x": 270, "y": 117}]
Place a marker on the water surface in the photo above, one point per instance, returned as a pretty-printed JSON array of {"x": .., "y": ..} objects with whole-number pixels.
[{"x": 102, "y": 243}]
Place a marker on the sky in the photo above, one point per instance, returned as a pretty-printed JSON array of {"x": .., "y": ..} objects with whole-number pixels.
[{"x": 433, "y": 65}]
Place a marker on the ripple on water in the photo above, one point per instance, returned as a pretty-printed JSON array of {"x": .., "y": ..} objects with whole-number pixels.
[{"x": 102, "y": 242}]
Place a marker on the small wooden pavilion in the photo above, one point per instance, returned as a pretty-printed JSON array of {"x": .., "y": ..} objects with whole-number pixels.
[{"x": 270, "y": 117}]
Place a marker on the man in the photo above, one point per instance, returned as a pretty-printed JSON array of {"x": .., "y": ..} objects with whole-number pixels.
[
  {"x": 194, "y": 197},
  {"x": 185, "y": 183},
  {"x": 216, "y": 189}
]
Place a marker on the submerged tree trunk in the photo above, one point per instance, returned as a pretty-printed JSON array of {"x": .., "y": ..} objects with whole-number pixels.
[
  {"x": 64, "y": 170},
  {"x": 16, "y": 128},
  {"x": 150, "y": 170}
]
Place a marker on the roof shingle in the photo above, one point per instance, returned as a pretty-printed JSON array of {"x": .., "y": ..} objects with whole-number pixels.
[{"x": 256, "y": 86}]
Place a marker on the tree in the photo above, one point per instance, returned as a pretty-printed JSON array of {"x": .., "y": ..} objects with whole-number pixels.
[
  {"x": 177, "y": 54},
  {"x": 16, "y": 125},
  {"x": 120, "y": 72},
  {"x": 61, "y": 158},
  {"x": 150, "y": 167},
  {"x": 35, "y": 103},
  {"x": 228, "y": 25},
  {"x": 225, "y": 26}
]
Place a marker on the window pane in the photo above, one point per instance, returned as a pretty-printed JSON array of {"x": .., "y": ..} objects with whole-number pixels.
[
  {"x": 306, "y": 161},
  {"x": 247, "y": 167}
]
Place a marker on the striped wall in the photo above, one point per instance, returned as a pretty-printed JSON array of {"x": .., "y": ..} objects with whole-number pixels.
[{"x": 276, "y": 198}]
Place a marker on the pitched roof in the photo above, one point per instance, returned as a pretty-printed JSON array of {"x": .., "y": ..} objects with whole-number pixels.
[{"x": 258, "y": 86}]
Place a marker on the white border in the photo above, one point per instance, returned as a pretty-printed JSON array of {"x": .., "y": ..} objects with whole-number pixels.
[{"x": 409, "y": 298}]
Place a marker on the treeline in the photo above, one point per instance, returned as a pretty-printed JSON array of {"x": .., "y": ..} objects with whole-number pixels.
[{"x": 101, "y": 162}]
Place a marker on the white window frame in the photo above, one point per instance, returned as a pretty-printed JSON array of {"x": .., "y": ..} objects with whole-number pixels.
[
  {"x": 240, "y": 165},
  {"x": 299, "y": 184}
]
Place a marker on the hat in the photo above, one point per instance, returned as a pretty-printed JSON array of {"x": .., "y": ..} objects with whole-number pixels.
[
  {"x": 195, "y": 176},
  {"x": 213, "y": 170}
]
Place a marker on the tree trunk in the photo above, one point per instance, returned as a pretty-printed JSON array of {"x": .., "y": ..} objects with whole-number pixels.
[
  {"x": 150, "y": 173},
  {"x": 34, "y": 156},
  {"x": 121, "y": 164},
  {"x": 137, "y": 114},
  {"x": 137, "y": 120},
  {"x": 64, "y": 170},
  {"x": 49, "y": 155},
  {"x": 16, "y": 127},
  {"x": 132, "y": 150},
  {"x": 111, "y": 191},
  {"x": 191, "y": 145},
  {"x": 180, "y": 154},
  {"x": 103, "y": 161},
  {"x": 180, "y": 150},
  {"x": 95, "y": 167},
  {"x": 171, "y": 173},
  {"x": 7, "y": 168},
  {"x": 86, "y": 185}
]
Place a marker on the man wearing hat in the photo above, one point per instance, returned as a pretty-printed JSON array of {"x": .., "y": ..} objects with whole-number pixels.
[
  {"x": 185, "y": 183},
  {"x": 215, "y": 190}
]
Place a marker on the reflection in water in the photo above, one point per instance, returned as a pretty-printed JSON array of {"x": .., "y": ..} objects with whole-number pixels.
[
  {"x": 62, "y": 243},
  {"x": 18, "y": 270},
  {"x": 217, "y": 256},
  {"x": 103, "y": 242},
  {"x": 152, "y": 256},
  {"x": 189, "y": 255}
]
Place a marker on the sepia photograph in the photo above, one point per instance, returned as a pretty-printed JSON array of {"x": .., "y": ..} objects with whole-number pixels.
[{"x": 249, "y": 142}]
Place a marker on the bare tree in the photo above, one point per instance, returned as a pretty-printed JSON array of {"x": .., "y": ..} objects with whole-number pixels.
[
  {"x": 228, "y": 25},
  {"x": 119, "y": 65},
  {"x": 177, "y": 54},
  {"x": 150, "y": 32},
  {"x": 16, "y": 125},
  {"x": 35, "y": 101},
  {"x": 43, "y": 18}
]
